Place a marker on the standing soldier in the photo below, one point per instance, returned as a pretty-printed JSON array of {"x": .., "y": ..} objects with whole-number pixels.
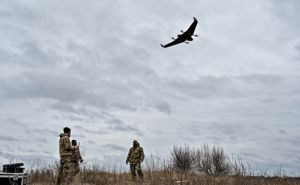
[
  {"x": 66, "y": 169},
  {"x": 76, "y": 157},
  {"x": 135, "y": 158}
]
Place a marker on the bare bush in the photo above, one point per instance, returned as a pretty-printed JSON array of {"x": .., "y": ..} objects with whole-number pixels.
[
  {"x": 211, "y": 161},
  {"x": 220, "y": 165},
  {"x": 182, "y": 158},
  {"x": 206, "y": 162}
]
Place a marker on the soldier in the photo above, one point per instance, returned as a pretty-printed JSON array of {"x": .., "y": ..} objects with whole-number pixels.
[
  {"x": 66, "y": 168},
  {"x": 76, "y": 157},
  {"x": 135, "y": 158}
]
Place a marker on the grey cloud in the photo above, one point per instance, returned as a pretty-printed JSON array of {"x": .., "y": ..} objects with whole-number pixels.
[
  {"x": 269, "y": 100},
  {"x": 28, "y": 159},
  {"x": 78, "y": 136},
  {"x": 236, "y": 86},
  {"x": 33, "y": 54},
  {"x": 233, "y": 130},
  {"x": 123, "y": 106},
  {"x": 32, "y": 151},
  {"x": 205, "y": 86},
  {"x": 15, "y": 8},
  {"x": 293, "y": 140},
  {"x": 118, "y": 125},
  {"x": 45, "y": 132},
  {"x": 72, "y": 96},
  {"x": 91, "y": 142},
  {"x": 78, "y": 127},
  {"x": 281, "y": 131},
  {"x": 41, "y": 140},
  {"x": 76, "y": 118},
  {"x": 18, "y": 123},
  {"x": 297, "y": 47},
  {"x": 47, "y": 152},
  {"x": 287, "y": 10},
  {"x": 115, "y": 147},
  {"x": 78, "y": 110},
  {"x": 261, "y": 78},
  {"x": 8, "y": 138},
  {"x": 82, "y": 60},
  {"x": 41, "y": 86},
  {"x": 101, "y": 131},
  {"x": 164, "y": 107},
  {"x": 252, "y": 155},
  {"x": 185, "y": 138},
  {"x": 228, "y": 129},
  {"x": 216, "y": 139}
]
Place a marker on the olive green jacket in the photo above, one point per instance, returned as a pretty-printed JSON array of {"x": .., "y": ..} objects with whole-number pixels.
[
  {"x": 135, "y": 155},
  {"x": 65, "y": 146},
  {"x": 76, "y": 156}
]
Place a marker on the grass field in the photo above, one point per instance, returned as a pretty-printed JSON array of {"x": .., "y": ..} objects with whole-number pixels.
[
  {"x": 185, "y": 166},
  {"x": 47, "y": 177}
]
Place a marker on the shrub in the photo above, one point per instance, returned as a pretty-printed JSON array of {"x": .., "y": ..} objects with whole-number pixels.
[
  {"x": 182, "y": 158},
  {"x": 211, "y": 161}
]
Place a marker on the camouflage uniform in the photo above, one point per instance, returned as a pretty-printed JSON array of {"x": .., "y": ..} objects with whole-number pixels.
[
  {"x": 66, "y": 169},
  {"x": 135, "y": 158},
  {"x": 76, "y": 158}
]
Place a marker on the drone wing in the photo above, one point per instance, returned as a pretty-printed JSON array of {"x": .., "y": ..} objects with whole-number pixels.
[
  {"x": 176, "y": 41},
  {"x": 191, "y": 29}
]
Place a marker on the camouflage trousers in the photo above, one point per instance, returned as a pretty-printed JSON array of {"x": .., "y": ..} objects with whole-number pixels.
[
  {"x": 136, "y": 168},
  {"x": 66, "y": 172},
  {"x": 77, "y": 168}
]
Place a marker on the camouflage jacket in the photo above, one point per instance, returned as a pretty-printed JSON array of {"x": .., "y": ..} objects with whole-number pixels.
[
  {"x": 65, "y": 146},
  {"x": 76, "y": 156},
  {"x": 135, "y": 155}
]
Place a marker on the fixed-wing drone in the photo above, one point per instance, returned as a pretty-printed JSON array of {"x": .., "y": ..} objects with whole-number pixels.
[{"x": 185, "y": 36}]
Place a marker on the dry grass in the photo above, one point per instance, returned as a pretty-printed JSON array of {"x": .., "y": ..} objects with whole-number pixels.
[
  {"x": 186, "y": 166},
  {"x": 162, "y": 177}
]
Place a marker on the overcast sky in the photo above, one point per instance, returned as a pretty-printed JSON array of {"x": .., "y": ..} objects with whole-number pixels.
[{"x": 97, "y": 67}]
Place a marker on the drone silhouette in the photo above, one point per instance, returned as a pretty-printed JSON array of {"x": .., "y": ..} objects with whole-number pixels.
[{"x": 184, "y": 37}]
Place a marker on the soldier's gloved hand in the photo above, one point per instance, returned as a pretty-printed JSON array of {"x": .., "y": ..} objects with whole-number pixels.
[
  {"x": 62, "y": 161},
  {"x": 81, "y": 160}
]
